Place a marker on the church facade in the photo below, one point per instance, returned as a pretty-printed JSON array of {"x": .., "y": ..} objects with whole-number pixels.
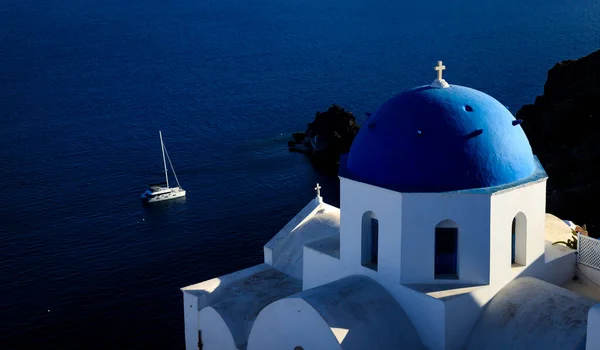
[{"x": 439, "y": 243}]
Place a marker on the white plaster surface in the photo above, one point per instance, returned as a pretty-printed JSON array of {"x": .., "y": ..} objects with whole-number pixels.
[
  {"x": 230, "y": 304},
  {"x": 593, "y": 328},
  {"x": 422, "y": 212},
  {"x": 356, "y": 198},
  {"x": 590, "y": 274},
  {"x": 556, "y": 251},
  {"x": 284, "y": 233},
  {"x": 586, "y": 284},
  {"x": 530, "y": 200},
  {"x": 444, "y": 291},
  {"x": 531, "y": 314},
  {"x": 315, "y": 222},
  {"x": 329, "y": 246},
  {"x": 216, "y": 334},
  {"x": 461, "y": 313},
  {"x": 291, "y": 322},
  {"x": 356, "y": 310},
  {"x": 425, "y": 312},
  {"x": 556, "y": 229},
  {"x": 190, "y": 320}
]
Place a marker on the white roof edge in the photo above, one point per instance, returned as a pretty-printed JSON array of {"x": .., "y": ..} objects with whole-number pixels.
[{"x": 306, "y": 213}]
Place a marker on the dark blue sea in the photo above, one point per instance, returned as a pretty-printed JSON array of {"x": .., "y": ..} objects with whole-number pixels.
[{"x": 86, "y": 86}]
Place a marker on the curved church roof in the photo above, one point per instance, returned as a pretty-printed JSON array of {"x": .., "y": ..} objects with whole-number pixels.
[
  {"x": 440, "y": 137},
  {"x": 354, "y": 312},
  {"x": 532, "y": 314}
]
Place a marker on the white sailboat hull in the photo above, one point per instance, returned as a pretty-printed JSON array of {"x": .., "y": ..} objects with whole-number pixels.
[
  {"x": 163, "y": 195},
  {"x": 162, "y": 192}
]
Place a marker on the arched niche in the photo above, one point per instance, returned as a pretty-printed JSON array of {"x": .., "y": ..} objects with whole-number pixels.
[{"x": 518, "y": 247}]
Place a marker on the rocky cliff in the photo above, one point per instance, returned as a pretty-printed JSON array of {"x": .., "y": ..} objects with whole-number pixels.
[
  {"x": 328, "y": 136},
  {"x": 563, "y": 126}
]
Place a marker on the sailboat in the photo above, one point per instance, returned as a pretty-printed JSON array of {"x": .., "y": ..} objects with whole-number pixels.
[{"x": 162, "y": 191}]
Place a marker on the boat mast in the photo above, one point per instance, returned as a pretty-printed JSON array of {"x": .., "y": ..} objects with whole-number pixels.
[
  {"x": 162, "y": 146},
  {"x": 172, "y": 168}
]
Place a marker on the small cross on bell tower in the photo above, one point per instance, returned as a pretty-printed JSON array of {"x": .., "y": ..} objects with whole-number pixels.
[
  {"x": 439, "y": 82},
  {"x": 318, "y": 189}
]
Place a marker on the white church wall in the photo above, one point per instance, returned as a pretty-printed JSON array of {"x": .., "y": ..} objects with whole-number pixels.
[
  {"x": 593, "y": 325},
  {"x": 422, "y": 212},
  {"x": 190, "y": 320},
  {"x": 528, "y": 204},
  {"x": 535, "y": 319},
  {"x": 427, "y": 314},
  {"x": 556, "y": 266},
  {"x": 355, "y": 200},
  {"x": 289, "y": 323},
  {"x": 198, "y": 296},
  {"x": 216, "y": 334},
  {"x": 321, "y": 268},
  {"x": 288, "y": 256},
  {"x": 271, "y": 248},
  {"x": 357, "y": 310},
  {"x": 591, "y": 273},
  {"x": 461, "y": 314},
  {"x": 558, "y": 271}
]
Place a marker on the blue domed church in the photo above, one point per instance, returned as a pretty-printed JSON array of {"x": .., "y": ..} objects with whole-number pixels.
[{"x": 441, "y": 241}]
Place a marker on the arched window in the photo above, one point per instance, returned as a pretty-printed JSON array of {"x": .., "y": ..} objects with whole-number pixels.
[
  {"x": 518, "y": 246},
  {"x": 513, "y": 237},
  {"x": 370, "y": 240},
  {"x": 446, "y": 250}
]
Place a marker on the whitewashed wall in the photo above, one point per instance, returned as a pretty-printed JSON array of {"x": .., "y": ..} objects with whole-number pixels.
[
  {"x": 357, "y": 198},
  {"x": 216, "y": 334},
  {"x": 593, "y": 328},
  {"x": 426, "y": 313},
  {"x": 591, "y": 273},
  {"x": 288, "y": 323},
  {"x": 461, "y": 313},
  {"x": 530, "y": 200},
  {"x": 422, "y": 212},
  {"x": 191, "y": 320}
]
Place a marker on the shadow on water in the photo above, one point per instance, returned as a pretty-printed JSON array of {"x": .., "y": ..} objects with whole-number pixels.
[{"x": 162, "y": 210}]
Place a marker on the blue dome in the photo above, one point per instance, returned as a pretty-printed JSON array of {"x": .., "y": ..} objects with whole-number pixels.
[{"x": 432, "y": 139}]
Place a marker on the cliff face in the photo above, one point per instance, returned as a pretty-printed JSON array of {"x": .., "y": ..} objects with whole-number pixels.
[
  {"x": 563, "y": 126},
  {"x": 328, "y": 136}
]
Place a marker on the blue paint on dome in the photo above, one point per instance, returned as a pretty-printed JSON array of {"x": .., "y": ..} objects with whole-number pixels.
[{"x": 440, "y": 139}]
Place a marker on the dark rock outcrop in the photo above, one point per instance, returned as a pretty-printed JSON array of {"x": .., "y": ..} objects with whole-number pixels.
[
  {"x": 563, "y": 126},
  {"x": 328, "y": 136}
]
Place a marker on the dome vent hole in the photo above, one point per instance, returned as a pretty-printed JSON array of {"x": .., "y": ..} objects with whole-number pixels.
[{"x": 468, "y": 108}]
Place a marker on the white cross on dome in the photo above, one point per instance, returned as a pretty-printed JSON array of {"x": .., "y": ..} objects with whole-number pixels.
[{"x": 439, "y": 82}]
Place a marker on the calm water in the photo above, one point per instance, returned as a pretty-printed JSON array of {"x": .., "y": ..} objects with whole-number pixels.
[{"x": 86, "y": 85}]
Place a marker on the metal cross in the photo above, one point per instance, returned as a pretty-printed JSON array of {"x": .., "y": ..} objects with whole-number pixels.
[{"x": 318, "y": 189}]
